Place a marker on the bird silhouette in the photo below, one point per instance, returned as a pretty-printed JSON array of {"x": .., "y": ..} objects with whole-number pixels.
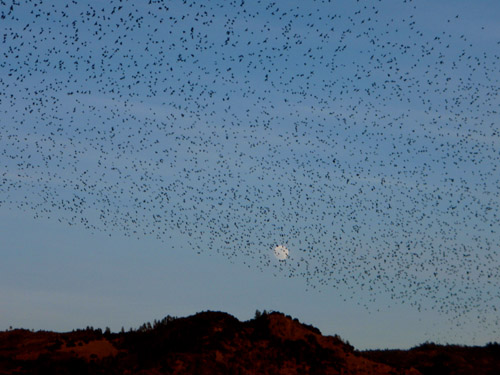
[{"x": 364, "y": 141}]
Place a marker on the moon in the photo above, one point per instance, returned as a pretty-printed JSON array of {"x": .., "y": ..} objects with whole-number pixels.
[{"x": 281, "y": 252}]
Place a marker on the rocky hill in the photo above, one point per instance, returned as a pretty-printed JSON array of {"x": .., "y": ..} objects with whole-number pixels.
[{"x": 218, "y": 343}]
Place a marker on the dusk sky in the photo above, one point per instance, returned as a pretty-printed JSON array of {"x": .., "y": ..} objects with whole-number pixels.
[{"x": 338, "y": 161}]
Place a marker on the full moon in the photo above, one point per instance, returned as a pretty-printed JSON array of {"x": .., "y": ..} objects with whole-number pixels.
[{"x": 281, "y": 252}]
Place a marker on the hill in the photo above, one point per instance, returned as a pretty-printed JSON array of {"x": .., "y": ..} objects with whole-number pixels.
[{"x": 218, "y": 343}]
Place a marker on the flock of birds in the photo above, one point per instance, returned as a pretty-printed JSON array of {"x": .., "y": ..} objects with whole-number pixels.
[{"x": 364, "y": 142}]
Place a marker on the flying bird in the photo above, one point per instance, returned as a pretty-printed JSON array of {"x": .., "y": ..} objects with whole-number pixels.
[{"x": 366, "y": 142}]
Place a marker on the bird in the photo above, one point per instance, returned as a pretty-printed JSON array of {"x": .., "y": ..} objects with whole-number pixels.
[{"x": 363, "y": 139}]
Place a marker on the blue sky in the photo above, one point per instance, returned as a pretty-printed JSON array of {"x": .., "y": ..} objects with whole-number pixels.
[{"x": 152, "y": 159}]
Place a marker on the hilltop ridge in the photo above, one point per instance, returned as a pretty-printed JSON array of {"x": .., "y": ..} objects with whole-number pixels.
[{"x": 217, "y": 343}]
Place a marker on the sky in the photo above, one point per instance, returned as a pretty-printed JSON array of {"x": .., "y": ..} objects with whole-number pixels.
[{"x": 154, "y": 154}]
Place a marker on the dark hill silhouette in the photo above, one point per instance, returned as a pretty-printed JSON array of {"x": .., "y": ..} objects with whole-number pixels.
[
  {"x": 432, "y": 359},
  {"x": 218, "y": 343}
]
